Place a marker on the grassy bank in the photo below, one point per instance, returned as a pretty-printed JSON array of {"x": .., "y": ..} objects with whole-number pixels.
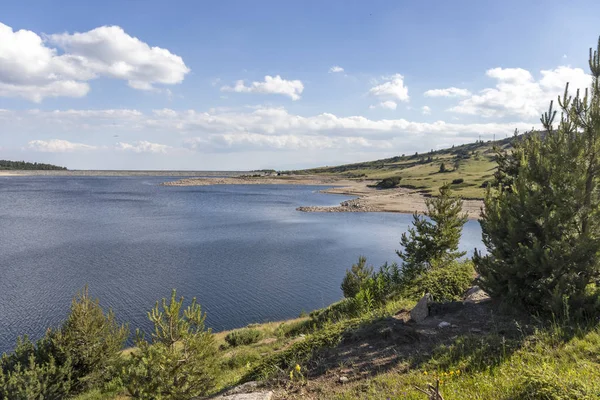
[{"x": 486, "y": 354}]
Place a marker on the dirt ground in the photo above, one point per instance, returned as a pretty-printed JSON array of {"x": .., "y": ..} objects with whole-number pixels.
[{"x": 396, "y": 344}]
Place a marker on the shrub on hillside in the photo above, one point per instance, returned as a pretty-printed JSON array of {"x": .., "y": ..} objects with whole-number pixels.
[
  {"x": 181, "y": 360},
  {"x": 433, "y": 240},
  {"x": 446, "y": 282},
  {"x": 389, "y": 183},
  {"x": 355, "y": 277},
  {"x": 242, "y": 337},
  {"x": 294, "y": 328},
  {"x": 457, "y": 181},
  {"x": 82, "y": 354}
]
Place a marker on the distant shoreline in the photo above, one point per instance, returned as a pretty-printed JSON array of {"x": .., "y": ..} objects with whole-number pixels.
[
  {"x": 120, "y": 173},
  {"x": 368, "y": 199}
]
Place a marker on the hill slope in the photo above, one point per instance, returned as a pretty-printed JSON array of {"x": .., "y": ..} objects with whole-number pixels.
[{"x": 474, "y": 163}]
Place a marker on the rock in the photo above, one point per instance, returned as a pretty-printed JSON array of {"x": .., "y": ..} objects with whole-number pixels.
[
  {"x": 246, "y": 396},
  {"x": 476, "y": 295},
  {"x": 343, "y": 379},
  {"x": 246, "y": 391},
  {"x": 444, "y": 324},
  {"x": 421, "y": 310}
]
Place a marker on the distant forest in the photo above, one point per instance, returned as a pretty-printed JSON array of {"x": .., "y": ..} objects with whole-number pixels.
[{"x": 23, "y": 165}]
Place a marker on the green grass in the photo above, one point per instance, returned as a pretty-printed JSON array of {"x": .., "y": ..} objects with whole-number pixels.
[
  {"x": 545, "y": 365},
  {"x": 476, "y": 165}
]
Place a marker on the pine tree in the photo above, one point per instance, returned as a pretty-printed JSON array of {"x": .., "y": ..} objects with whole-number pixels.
[
  {"x": 541, "y": 223},
  {"x": 181, "y": 361},
  {"x": 433, "y": 240}
]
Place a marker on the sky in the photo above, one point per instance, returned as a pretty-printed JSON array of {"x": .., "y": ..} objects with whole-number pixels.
[{"x": 240, "y": 85}]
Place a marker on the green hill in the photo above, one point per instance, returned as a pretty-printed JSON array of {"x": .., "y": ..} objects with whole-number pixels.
[{"x": 473, "y": 163}]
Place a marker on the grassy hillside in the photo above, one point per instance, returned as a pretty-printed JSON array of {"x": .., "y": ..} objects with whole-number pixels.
[{"x": 474, "y": 163}]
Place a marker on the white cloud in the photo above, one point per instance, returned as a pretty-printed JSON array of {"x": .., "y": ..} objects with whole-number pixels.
[
  {"x": 266, "y": 121},
  {"x": 143, "y": 146},
  {"x": 448, "y": 92},
  {"x": 425, "y": 110},
  {"x": 57, "y": 146},
  {"x": 336, "y": 68},
  {"x": 30, "y": 68},
  {"x": 518, "y": 93},
  {"x": 393, "y": 87},
  {"x": 256, "y": 141},
  {"x": 271, "y": 85},
  {"x": 388, "y": 105}
]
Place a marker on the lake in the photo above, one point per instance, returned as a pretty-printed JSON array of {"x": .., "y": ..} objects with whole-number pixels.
[{"x": 242, "y": 250}]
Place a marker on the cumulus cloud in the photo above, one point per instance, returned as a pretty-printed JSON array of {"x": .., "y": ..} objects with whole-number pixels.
[
  {"x": 388, "y": 105},
  {"x": 271, "y": 85},
  {"x": 392, "y": 87},
  {"x": 143, "y": 146},
  {"x": 31, "y": 66},
  {"x": 425, "y": 110},
  {"x": 57, "y": 146},
  {"x": 518, "y": 93},
  {"x": 335, "y": 69},
  {"x": 448, "y": 92}
]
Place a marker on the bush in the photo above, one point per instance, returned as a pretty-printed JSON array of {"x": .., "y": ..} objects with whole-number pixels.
[
  {"x": 83, "y": 354},
  {"x": 181, "y": 361},
  {"x": 294, "y": 328},
  {"x": 443, "y": 168},
  {"x": 241, "y": 337},
  {"x": 457, "y": 181},
  {"x": 355, "y": 277},
  {"x": 336, "y": 312},
  {"x": 445, "y": 282},
  {"x": 389, "y": 183},
  {"x": 91, "y": 341}
]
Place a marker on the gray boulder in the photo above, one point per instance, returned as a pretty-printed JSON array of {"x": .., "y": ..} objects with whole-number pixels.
[{"x": 421, "y": 310}]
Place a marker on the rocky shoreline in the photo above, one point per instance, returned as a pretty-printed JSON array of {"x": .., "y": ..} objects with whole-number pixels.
[
  {"x": 354, "y": 205},
  {"x": 367, "y": 198}
]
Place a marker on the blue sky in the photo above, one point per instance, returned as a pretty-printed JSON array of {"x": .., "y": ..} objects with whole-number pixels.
[{"x": 270, "y": 84}]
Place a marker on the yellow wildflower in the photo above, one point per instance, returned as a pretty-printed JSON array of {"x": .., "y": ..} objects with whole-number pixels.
[
  {"x": 297, "y": 368},
  {"x": 292, "y": 374},
  {"x": 424, "y": 372}
]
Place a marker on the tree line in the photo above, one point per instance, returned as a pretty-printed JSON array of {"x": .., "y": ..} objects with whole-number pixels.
[{"x": 24, "y": 165}]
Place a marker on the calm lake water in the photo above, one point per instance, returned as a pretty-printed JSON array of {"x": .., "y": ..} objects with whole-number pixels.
[{"x": 243, "y": 250}]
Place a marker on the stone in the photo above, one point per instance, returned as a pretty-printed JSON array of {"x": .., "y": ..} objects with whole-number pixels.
[
  {"x": 444, "y": 324},
  {"x": 247, "y": 396},
  {"x": 343, "y": 379},
  {"x": 246, "y": 391},
  {"x": 421, "y": 310},
  {"x": 476, "y": 295}
]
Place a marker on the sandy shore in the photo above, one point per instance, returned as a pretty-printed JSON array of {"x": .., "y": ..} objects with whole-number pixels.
[{"x": 368, "y": 199}]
